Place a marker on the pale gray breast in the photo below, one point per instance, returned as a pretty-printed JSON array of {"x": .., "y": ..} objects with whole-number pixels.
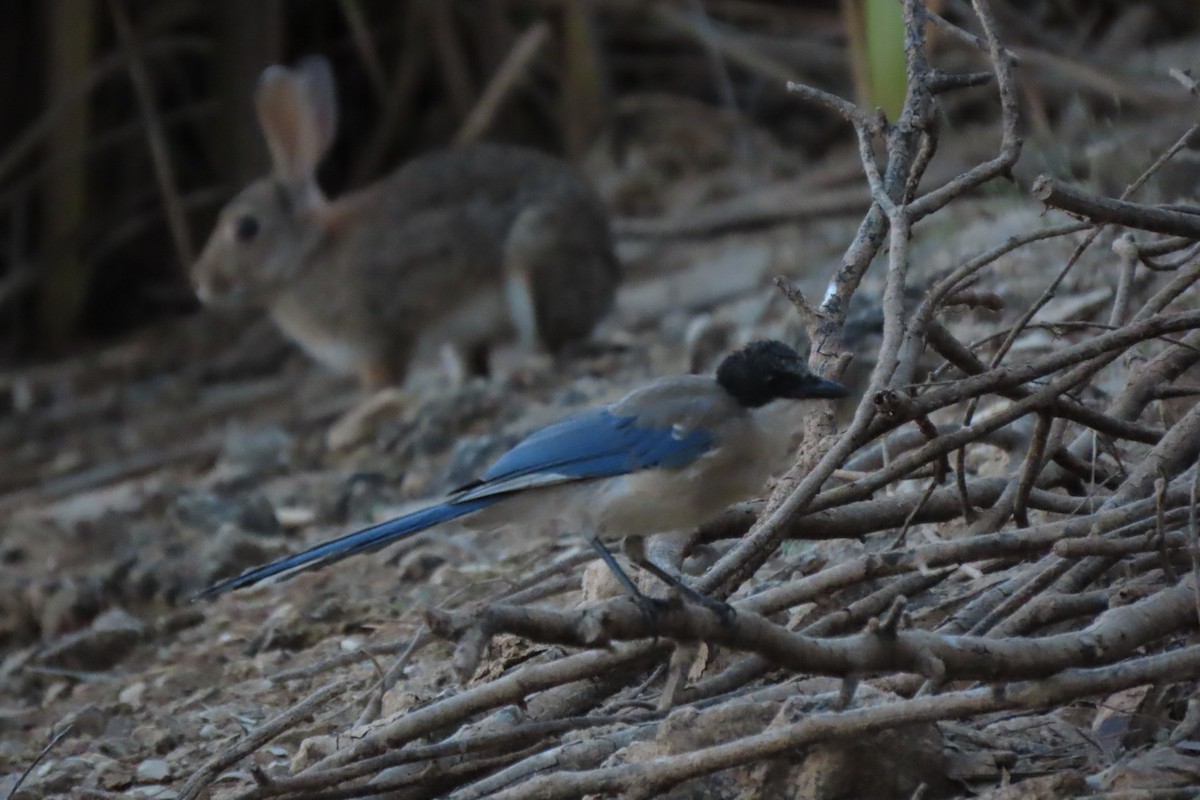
[{"x": 744, "y": 454}]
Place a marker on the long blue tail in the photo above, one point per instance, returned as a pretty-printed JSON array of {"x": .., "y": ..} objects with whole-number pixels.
[{"x": 363, "y": 541}]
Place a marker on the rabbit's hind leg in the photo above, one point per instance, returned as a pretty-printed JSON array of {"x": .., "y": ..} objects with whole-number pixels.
[
  {"x": 462, "y": 362},
  {"x": 560, "y": 272}
]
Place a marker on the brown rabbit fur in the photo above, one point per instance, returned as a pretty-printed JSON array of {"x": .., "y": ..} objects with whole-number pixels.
[{"x": 458, "y": 246}]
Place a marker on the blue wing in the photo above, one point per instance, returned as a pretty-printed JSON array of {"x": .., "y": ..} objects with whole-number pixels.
[{"x": 593, "y": 444}]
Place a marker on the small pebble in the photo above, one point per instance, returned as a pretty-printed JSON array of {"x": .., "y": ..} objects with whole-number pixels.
[
  {"x": 133, "y": 694},
  {"x": 153, "y": 770}
]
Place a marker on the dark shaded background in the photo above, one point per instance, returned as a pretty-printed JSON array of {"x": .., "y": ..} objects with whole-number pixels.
[{"x": 86, "y": 251}]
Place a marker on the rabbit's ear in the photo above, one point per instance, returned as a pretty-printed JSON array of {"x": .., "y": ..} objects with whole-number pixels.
[
  {"x": 298, "y": 115},
  {"x": 317, "y": 78}
]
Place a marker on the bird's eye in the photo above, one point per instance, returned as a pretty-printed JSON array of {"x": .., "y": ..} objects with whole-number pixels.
[{"x": 245, "y": 228}]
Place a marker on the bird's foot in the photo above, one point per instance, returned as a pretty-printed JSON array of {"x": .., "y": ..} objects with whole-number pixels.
[
  {"x": 651, "y": 607},
  {"x": 725, "y": 612}
]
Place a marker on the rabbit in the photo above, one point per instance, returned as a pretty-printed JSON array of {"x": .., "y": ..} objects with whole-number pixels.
[{"x": 457, "y": 246}]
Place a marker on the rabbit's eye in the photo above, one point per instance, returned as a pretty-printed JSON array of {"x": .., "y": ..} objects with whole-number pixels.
[{"x": 245, "y": 228}]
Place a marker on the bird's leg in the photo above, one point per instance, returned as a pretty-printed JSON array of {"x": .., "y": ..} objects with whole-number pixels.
[
  {"x": 650, "y": 607},
  {"x": 634, "y": 547}
]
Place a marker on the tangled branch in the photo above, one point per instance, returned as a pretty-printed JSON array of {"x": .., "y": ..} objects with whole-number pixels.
[{"x": 1065, "y": 584}]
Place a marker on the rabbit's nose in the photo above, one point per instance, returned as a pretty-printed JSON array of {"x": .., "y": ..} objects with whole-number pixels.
[{"x": 208, "y": 287}]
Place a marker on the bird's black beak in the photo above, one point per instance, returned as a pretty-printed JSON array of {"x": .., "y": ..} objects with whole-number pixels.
[{"x": 820, "y": 389}]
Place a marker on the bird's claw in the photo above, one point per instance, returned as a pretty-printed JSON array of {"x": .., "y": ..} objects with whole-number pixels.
[
  {"x": 725, "y": 612},
  {"x": 651, "y": 607}
]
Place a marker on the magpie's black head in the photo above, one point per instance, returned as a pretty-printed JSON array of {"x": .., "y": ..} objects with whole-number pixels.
[{"x": 770, "y": 370}]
